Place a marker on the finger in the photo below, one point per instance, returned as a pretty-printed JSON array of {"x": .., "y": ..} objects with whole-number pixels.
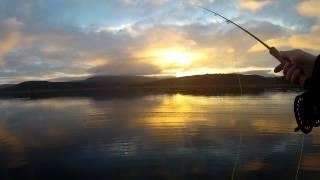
[
  {"x": 287, "y": 66},
  {"x": 296, "y": 75},
  {"x": 291, "y": 71},
  {"x": 279, "y": 68}
]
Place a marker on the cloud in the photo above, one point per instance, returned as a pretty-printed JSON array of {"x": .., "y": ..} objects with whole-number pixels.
[
  {"x": 307, "y": 41},
  {"x": 59, "y": 38},
  {"x": 200, "y": 2},
  {"x": 309, "y": 8},
  {"x": 154, "y": 2},
  {"x": 44, "y": 53},
  {"x": 254, "y": 5},
  {"x": 126, "y": 68},
  {"x": 9, "y": 35},
  {"x": 157, "y": 49}
]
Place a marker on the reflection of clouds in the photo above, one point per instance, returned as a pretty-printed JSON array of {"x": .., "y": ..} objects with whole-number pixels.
[
  {"x": 281, "y": 146},
  {"x": 311, "y": 162},
  {"x": 116, "y": 148},
  {"x": 41, "y": 124},
  {"x": 255, "y": 165},
  {"x": 122, "y": 148},
  {"x": 186, "y": 125},
  {"x": 163, "y": 127},
  {"x": 315, "y": 138},
  {"x": 181, "y": 111},
  {"x": 277, "y": 125},
  {"x": 11, "y": 144}
]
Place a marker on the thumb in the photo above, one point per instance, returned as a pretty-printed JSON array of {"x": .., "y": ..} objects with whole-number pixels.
[{"x": 279, "y": 68}]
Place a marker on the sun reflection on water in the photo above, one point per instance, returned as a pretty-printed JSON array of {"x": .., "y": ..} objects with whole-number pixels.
[{"x": 199, "y": 132}]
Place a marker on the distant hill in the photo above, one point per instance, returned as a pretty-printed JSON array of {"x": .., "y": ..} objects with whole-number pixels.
[
  {"x": 217, "y": 83},
  {"x": 97, "y": 82},
  {"x": 120, "y": 80},
  {"x": 6, "y": 85},
  {"x": 222, "y": 80}
]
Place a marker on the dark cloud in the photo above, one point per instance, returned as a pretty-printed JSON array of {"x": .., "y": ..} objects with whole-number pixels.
[
  {"x": 50, "y": 39},
  {"x": 50, "y": 50},
  {"x": 126, "y": 68}
]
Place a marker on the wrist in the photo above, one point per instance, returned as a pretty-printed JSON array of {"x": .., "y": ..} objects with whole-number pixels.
[
  {"x": 316, "y": 67},
  {"x": 312, "y": 83}
]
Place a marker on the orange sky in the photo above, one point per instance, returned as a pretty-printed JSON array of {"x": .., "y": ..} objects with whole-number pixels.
[{"x": 67, "y": 40}]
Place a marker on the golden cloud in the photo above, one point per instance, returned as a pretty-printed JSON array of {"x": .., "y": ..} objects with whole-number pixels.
[
  {"x": 309, "y": 8},
  {"x": 10, "y": 36},
  {"x": 309, "y": 41},
  {"x": 179, "y": 54},
  {"x": 254, "y": 5}
]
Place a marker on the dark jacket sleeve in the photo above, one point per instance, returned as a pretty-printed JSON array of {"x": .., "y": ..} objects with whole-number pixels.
[
  {"x": 313, "y": 84},
  {"x": 307, "y": 105}
]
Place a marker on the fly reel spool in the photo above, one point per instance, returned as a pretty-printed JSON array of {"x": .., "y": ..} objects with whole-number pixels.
[{"x": 306, "y": 112}]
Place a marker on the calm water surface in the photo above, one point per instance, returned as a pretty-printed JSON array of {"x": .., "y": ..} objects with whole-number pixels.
[{"x": 156, "y": 137}]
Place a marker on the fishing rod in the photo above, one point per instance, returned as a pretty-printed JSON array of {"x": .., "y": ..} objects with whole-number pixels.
[
  {"x": 305, "y": 123},
  {"x": 272, "y": 50}
]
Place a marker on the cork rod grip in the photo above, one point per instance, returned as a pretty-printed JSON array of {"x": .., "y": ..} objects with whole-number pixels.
[{"x": 276, "y": 53}]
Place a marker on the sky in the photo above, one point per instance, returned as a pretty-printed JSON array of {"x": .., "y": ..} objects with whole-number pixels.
[{"x": 66, "y": 40}]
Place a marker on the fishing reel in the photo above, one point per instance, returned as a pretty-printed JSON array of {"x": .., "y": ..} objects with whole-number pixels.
[{"x": 306, "y": 113}]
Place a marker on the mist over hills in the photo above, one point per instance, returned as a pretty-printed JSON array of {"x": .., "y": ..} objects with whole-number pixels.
[{"x": 215, "y": 83}]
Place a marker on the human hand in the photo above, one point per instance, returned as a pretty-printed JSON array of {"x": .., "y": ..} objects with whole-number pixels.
[{"x": 298, "y": 67}]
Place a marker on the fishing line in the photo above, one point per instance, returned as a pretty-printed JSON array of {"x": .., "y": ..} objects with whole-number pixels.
[
  {"x": 234, "y": 170},
  {"x": 238, "y": 76},
  {"x": 275, "y": 53},
  {"x": 240, "y": 130},
  {"x": 300, "y": 157},
  {"x": 240, "y": 27},
  {"x": 272, "y": 50},
  {"x": 238, "y": 154},
  {"x": 240, "y": 84}
]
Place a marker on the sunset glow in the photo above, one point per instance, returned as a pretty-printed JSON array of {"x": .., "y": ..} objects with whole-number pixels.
[
  {"x": 152, "y": 38},
  {"x": 172, "y": 57},
  {"x": 176, "y": 57}
]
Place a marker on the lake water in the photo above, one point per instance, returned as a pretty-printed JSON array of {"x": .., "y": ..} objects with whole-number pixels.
[{"x": 156, "y": 137}]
